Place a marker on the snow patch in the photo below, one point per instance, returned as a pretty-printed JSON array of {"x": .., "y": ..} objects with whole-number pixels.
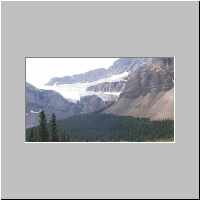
[
  {"x": 113, "y": 78},
  {"x": 73, "y": 92},
  {"x": 32, "y": 111}
]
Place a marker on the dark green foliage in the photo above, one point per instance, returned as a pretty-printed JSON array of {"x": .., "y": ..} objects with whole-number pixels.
[
  {"x": 53, "y": 129},
  {"x": 62, "y": 136},
  {"x": 30, "y": 136},
  {"x": 67, "y": 138},
  {"x": 97, "y": 127},
  {"x": 33, "y": 135},
  {"x": 43, "y": 131}
]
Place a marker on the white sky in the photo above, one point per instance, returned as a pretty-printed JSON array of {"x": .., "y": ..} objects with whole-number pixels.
[{"x": 40, "y": 70}]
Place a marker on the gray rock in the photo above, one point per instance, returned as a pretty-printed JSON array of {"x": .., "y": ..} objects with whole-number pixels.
[
  {"x": 108, "y": 87},
  {"x": 80, "y": 78},
  {"x": 50, "y": 102},
  {"x": 118, "y": 67},
  {"x": 148, "y": 91},
  {"x": 92, "y": 103}
]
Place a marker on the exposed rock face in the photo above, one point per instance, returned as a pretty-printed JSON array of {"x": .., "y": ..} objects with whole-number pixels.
[
  {"x": 156, "y": 106},
  {"x": 118, "y": 67},
  {"x": 50, "y": 102},
  {"x": 108, "y": 87},
  {"x": 92, "y": 104},
  {"x": 107, "y": 82},
  {"x": 148, "y": 91},
  {"x": 154, "y": 77},
  {"x": 80, "y": 78},
  {"x": 127, "y": 65}
]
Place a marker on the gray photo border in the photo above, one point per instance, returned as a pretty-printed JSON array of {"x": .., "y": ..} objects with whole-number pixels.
[{"x": 34, "y": 29}]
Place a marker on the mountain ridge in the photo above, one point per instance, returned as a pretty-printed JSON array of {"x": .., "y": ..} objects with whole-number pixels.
[
  {"x": 149, "y": 92},
  {"x": 118, "y": 67},
  {"x": 52, "y": 102}
]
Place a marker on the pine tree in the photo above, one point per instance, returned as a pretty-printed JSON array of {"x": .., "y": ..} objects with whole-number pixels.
[
  {"x": 61, "y": 136},
  {"x": 43, "y": 131},
  {"x": 53, "y": 125},
  {"x": 36, "y": 135},
  {"x": 67, "y": 139},
  {"x": 32, "y": 135}
]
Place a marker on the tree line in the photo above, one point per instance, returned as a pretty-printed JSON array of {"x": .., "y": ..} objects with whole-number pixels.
[
  {"x": 99, "y": 127},
  {"x": 46, "y": 131}
]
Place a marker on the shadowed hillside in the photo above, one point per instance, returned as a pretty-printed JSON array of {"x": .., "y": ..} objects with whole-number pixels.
[{"x": 107, "y": 128}]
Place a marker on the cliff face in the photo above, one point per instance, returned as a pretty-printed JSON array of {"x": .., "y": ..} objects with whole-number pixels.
[
  {"x": 80, "y": 78},
  {"x": 120, "y": 66},
  {"x": 108, "y": 87},
  {"x": 50, "y": 102},
  {"x": 92, "y": 103},
  {"x": 148, "y": 92}
]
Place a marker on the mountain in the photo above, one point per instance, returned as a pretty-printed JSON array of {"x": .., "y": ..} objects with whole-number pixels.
[
  {"x": 93, "y": 103},
  {"x": 104, "y": 83},
  {"x": 149, "y": 91},
  {"x": 120, "y": 66},
  {"x": 90, "y": 76},
  {"x": 117, "y": 86},
  {"x": 52, "y": 102}
]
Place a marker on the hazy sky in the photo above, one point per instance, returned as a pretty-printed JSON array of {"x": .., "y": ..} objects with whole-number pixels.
[{"x": 40, "y": 70}]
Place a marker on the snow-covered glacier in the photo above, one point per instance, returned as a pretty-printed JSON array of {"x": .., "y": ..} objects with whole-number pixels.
[{"x": 75, "y": 91}]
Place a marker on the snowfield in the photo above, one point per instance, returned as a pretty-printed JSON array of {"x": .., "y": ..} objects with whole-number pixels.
[
  {"x": 36, "y": 112},
  {"x": 74, "y": 92}
]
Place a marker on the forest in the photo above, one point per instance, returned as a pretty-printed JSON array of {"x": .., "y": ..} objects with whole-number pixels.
[{"x": 96, "y": 127}]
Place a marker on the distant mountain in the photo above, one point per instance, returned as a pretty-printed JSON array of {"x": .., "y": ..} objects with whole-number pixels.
[
  {"x": 80, "y": 78},
  {"x": 127, "y": 65},
  {"x": 120, "y": 66},
  {"x": 105, "y": 83},
  {"x": 93, "y": 103},
  {"x": 117, "y": 86},
  {"x": 149, "y": 92},
  {"x": 52, "y": 102}
]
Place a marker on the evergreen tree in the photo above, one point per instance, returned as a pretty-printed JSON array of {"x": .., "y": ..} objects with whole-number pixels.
[
  {"x": 36, "y": 135},
  {"x": 130, "y": 134},
  {"x": 62, "y": 136},
  {"x": 53, "y": 125},
  {"x": 43, "y": 131},
  {"x": 67, "y": 138},
  {"x": 32, "y": 135}
]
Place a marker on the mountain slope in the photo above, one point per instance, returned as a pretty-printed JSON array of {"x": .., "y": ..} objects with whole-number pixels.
[
  {"x": 149, "y": 92},
  {"x": 90, "y": 76},
  {"x": 105, "y": 83},
  {"x": 52, "y": 102},
  {"x": 120, "y": 66}
]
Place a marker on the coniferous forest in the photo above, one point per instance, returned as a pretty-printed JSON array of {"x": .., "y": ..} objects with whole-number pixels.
[{"x": 96, "y": 127}]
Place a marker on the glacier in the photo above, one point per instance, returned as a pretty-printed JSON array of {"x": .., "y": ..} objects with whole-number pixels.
[{"x": 74, "y": 92}]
